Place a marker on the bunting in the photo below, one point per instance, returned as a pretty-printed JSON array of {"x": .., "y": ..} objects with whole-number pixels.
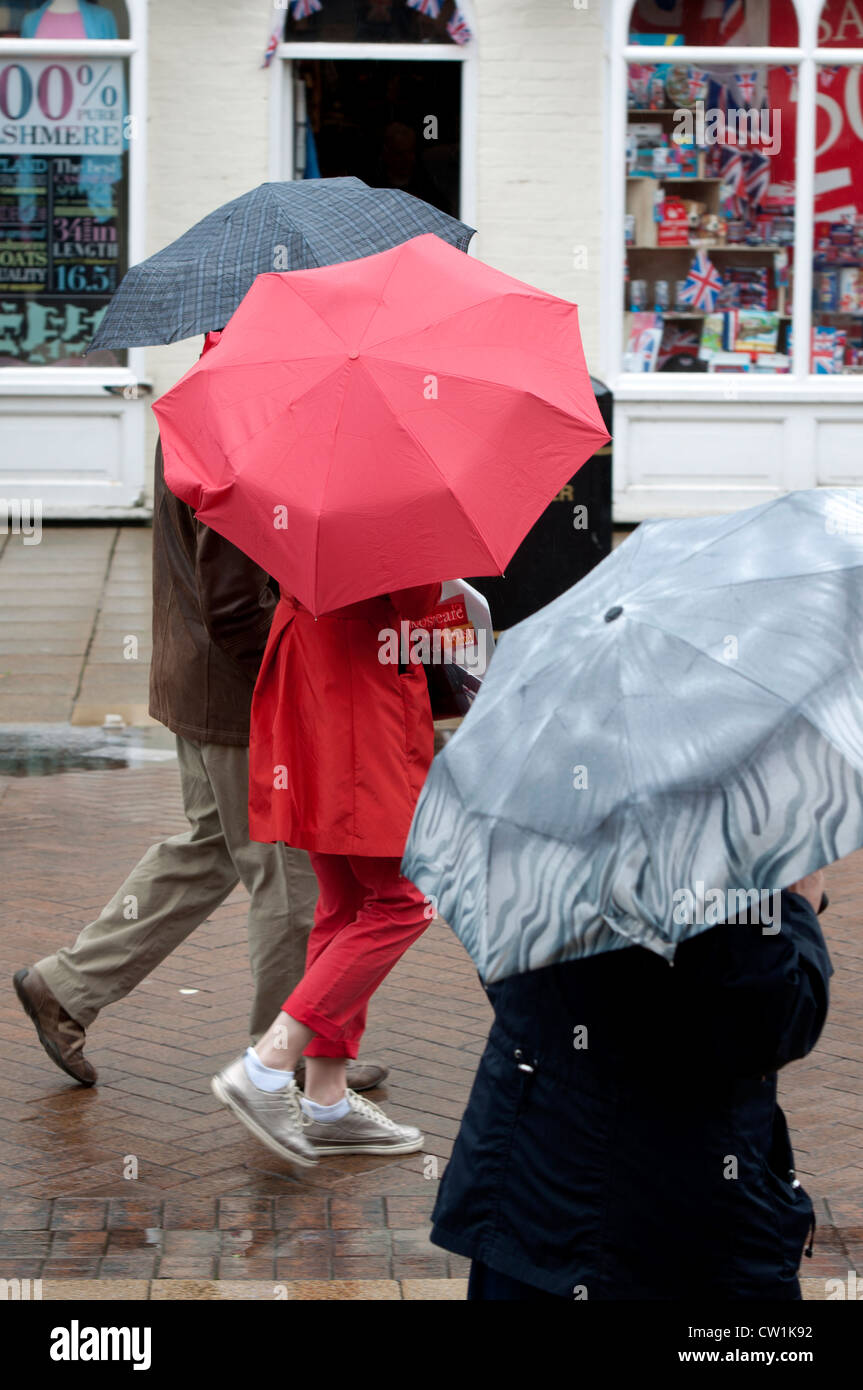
[
  {"x": 458, "y": 28},
  {"x": 277, "y": 28}
]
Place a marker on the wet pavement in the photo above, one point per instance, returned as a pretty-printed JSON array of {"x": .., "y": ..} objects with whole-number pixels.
[
  {"x": 143, "y": 1187},
  {"x": 205, "y": 1202},
  {"x": 42, "y": 750},
  {"x": 75, "y": 639}
]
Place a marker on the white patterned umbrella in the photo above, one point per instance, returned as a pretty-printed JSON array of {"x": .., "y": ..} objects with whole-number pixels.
[{"x": 683, "y": 726}]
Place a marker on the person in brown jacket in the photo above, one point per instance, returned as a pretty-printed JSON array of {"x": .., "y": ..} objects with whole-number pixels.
[{"x": 212, "y": 609}]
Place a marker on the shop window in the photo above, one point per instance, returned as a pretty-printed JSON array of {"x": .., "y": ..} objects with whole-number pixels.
[
  {"x": 712, "y": 23},
  {"x": 837, "y": 280},
  {"x": 64, "y": 19},
  {"x": 64, "y": 137},
  {"x": 710, "y": 194}
]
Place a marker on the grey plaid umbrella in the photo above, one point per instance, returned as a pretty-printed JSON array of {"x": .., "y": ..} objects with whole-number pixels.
[
  {"x": 661, "y": 748},
  {"x": 195, "y": 284}
]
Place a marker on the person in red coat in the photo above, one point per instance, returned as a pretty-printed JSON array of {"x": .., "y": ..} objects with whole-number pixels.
[{"x": 341, "y": 742}]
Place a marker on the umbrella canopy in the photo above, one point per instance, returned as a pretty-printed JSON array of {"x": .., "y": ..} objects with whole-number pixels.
[
  {"x": 684, "y": 725},
  {"x": 195, "y": 284},
  {"x": 383, "y": 423}
]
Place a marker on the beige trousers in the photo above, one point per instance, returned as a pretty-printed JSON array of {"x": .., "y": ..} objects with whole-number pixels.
[{"x": 179, "y": 882}]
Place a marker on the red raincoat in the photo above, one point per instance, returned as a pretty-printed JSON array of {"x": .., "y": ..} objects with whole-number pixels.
[{"x": 340, "y": 742}]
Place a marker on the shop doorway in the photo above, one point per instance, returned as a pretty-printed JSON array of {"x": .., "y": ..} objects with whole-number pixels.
[{"x": 392, "y": 124}]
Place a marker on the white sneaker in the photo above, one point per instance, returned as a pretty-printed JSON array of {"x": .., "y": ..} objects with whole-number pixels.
[{"x": 364, "y": 1130}]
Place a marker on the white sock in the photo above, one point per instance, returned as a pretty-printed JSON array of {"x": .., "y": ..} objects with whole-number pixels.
[
  {"x": 265, "y": 1078},
  {"x": 325, "y": 1112}
]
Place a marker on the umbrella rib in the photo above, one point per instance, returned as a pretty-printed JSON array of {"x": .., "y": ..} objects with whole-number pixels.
[
  {"x": 634, "y": 802},
  {"x": 291, "y": 222},
  {"x": 486, "y": 381},
  {"x": 289, "y": 283},
  {"x": 714, "y": 540},
  {"x": 424, "y": 451},
  {"x": 637, "y": 801},
  {"x": 269, "y": 423},
  {"x": 791, "y": 710},
  {"x": 381, "y": 294},
  {"x": 476, "y": 304},
  {"x": 500, "y": 560},
  {"x": 214, "y": 367},
  {"x": 674, "y": 636},
  {"x": 770, "y": 578},
  {"x": 346, "y": 374}
]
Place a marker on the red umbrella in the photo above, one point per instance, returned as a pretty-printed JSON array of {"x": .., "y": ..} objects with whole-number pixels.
[{"x": 382, "y": 423}]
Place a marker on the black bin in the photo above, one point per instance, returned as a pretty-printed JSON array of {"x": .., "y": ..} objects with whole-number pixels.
[{"x": 555, "y": 553}]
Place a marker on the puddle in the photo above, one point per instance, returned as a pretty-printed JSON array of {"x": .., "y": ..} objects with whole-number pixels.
[{"x": 42, "y": 750}]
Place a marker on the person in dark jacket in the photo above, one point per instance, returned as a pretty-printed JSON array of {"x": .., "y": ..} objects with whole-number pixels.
[
  {"x": 212, "y": 610},
  {"x": 623, "y": 1139}
]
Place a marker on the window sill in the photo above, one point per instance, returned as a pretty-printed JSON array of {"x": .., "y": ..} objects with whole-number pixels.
[
  {"x": 63, "y": 381},
  {"x": 731, "y": 386}
]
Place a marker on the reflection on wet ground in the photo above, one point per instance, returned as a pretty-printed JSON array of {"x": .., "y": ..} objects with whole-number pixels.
[{"x": 40, "y": 750}]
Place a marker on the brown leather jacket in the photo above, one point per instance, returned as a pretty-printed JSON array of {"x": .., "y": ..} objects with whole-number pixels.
[{"x": 212, "y": 608}]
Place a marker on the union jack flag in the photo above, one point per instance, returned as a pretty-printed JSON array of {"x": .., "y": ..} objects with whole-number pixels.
[
  {"x": 747, "y": 85},
  {"x": 733, "y": 15},
  {"x": 731, "y": 173},
  {"x": 428, "y": 7},
  {"x": 756, "y": 177},
  {"x": 702, "y": 284},
  {"x": 731, "y": 169},
  {"x": 458, "y": 28},
  {"x": 695, "y": 81},
  {"x": 302, "y": 9},
  {"x": 276, "y": 31}
]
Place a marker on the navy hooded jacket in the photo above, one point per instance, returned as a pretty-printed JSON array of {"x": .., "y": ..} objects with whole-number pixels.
[{"x": 623, "y": 1140}]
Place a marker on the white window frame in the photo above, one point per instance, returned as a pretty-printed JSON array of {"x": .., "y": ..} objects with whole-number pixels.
[
  {"x": 34, "y": 380},
  {"x": 800, "y": 384},
  {"x": 282, "y": 132}
]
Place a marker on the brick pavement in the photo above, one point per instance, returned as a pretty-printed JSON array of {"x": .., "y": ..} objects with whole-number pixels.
[
  {"x": 70, "y": 606},
  {"x": 210, "y": 1213},
  {"x": 208, "y": 1206},
  {"x": 207, "y": 1201}
]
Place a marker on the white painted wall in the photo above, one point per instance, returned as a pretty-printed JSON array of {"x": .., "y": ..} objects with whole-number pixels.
[
  {"x": 541, "y": 147},
  {"x": 539, "y": 154},
  {"x": 208, "y": 137}
]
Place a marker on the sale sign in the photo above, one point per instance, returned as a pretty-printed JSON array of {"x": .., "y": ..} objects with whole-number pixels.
[
  {"x": 57, "y": 105},
  {"x": 838, "y": 119}
]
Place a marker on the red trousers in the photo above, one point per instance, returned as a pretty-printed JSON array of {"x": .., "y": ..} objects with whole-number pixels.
[{"x": 367, "y": 916}]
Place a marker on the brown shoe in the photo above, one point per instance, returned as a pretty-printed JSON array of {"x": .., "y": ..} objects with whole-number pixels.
[
  {"x": 62, "y": 1038},
  {"x": 362, "y": 1076}
]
